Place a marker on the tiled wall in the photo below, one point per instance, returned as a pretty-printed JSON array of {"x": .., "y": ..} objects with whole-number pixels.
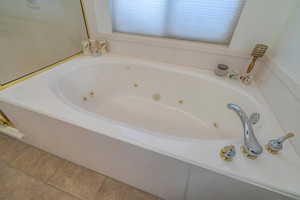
[{"x": 281, "y": 93}]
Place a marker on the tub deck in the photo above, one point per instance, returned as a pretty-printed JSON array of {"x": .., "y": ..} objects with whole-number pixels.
[{"x": 276, "y": 173}]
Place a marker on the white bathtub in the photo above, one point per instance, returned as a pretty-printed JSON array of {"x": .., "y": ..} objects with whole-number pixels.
[
  {"x": 149, "y": 124},
  {"x": 169, "y": 102}
]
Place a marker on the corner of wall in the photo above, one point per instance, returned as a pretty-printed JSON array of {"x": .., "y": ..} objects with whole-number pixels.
[{"x": 277, "y": 89}]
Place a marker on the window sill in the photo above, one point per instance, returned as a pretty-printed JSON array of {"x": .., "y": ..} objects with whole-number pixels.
[{"x": 219, "y": 49}]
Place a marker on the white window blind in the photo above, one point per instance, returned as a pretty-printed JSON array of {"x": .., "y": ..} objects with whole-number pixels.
[{"x": 205, "y": 20}]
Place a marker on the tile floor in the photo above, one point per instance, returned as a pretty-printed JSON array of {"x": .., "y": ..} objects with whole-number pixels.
[{"x": 27, "y": 173}]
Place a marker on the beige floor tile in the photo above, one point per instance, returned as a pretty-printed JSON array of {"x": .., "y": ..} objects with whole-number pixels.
[
  {"x": 27, "y": 160},
  {"x": 51, "y": 193},
  {"x": 7, "y": 179},
  {"x": 11, "y": 149},
  {"x": 114, "y": 190},
  {"x": 46, "y": 166},
  {"x": 28, "y": 189},
  {"x": 25, "y": 170},
  {"x": 65, "y": 175},
  {"x": 15, "y": 185},
  {"x": 79, "y": 181},
  {"x": 5, "y": 142},
  {"x": 31, "y": 160}
]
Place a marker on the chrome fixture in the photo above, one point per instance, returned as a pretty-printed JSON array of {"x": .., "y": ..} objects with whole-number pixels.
[
  {"x": 251, "y": 146},
  {"x": 254, "y": 118},
  {"x": 246, "y": 79},
  {"x": 221, "y": 70},
  {"x": 227, "y": 153},
  {"x": 232, "y": 74},
  {"x": 276, "y": 145}
]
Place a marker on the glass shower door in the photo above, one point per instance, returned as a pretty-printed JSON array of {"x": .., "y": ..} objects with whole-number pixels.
[{"x": 37, "y": 33}]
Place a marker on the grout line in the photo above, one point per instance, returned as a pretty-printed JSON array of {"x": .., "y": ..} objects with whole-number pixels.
[
  {"x": 46, "y": 182},
  {"x": 54, "y": 186},
  {"x": 57, "y": 188},
  {"x": 23, "y": 150},
  {"x": 55, "y": 171},
  {"x": 101, "y": 186},
  {"x": 70, "y": 194},
  {"x": 38, "y": 180}
]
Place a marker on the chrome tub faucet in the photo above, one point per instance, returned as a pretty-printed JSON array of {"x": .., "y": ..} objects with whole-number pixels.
[{"x": 251, "y": 146}]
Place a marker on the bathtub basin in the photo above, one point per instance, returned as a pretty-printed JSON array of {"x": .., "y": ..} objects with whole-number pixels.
[
  {"x": 158, "y": 100},
  {"x": 148, "y": 124}
]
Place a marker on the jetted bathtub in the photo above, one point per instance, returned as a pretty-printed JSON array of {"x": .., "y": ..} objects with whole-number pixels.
[
  {"x": 152, "y": 125},
  {"x": 162, "y": 100}
]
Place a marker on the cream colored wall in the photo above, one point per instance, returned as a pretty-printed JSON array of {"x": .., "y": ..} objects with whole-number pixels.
[
  {"x": 286, "y": 54},
  {"x": 262, "y": 21},
  {"x": 35, "y": 35},
  {"x": 280, "y": 79}
]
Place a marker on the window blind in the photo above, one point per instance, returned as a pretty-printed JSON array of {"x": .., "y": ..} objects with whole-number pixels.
[{"x": 205, "y": 20}]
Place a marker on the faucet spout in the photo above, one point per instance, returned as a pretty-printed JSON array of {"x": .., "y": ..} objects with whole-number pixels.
[{"x": 251, "y": 146}]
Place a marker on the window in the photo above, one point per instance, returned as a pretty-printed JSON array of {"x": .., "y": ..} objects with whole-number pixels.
[{"x": 205, "y": 20}]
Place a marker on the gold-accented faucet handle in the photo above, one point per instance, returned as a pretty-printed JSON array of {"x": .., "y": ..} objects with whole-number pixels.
[
  {"x": 227, "y": 153},
  {"x": 103, "y": 46},
  {"x": 258, "y": 52},
  {"x": 247, "y": 154},
  {"x": 276, "y": 145},
  {"x": 289, "y": 135}
]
